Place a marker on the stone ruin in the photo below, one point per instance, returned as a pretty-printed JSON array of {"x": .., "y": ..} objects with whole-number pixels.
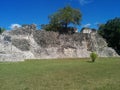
[{"x": 28, "y": 43}]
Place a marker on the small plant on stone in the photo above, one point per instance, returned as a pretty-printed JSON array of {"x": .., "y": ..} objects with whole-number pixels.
[{"x": 93, "y": 56}]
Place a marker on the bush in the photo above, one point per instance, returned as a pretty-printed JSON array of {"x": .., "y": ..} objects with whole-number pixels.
[
  {"x": 111, "y": 32},
  {"x": 93, "y": 56},
  {"x": 2, "y": 30}
]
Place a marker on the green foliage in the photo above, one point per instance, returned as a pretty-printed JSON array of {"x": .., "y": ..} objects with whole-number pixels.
[
  {"x": 50, "y": 27},
  {"x": 62, "y": 18},
  {"x": 66, "y": 16},
  {"x": 111, "y": 32},
  {"x": 2, "y": 30},
  {"x": 93, "y": 56}
]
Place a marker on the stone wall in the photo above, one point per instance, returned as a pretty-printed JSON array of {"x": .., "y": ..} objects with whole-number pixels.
[{"x": 29, "y": 43}]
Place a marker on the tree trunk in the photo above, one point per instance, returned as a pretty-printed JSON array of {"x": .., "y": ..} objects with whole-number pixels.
[{"x": 66, "y": 26}]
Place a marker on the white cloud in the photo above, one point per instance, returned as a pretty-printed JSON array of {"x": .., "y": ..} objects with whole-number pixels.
[
  {"x": 83, "y": 2},
  {"x": 87, "y": 25},
  {"x": 13, "y": 26}
]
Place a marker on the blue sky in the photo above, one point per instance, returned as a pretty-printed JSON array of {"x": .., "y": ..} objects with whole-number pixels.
[{"x": 37, "y": 11}]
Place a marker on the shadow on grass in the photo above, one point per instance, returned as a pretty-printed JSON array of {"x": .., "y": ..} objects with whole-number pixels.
[{"x": 90, "y": 61}]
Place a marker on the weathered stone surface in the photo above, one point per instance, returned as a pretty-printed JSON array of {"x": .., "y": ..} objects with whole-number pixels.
[
  {"x": 28, "y": 43},
  {"x": 21, "y": 44},
  {"x": 46, "y": 39}
]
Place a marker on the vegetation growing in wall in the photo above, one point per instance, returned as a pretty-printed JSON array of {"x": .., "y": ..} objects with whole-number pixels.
[{"x": 62, "y": 19}]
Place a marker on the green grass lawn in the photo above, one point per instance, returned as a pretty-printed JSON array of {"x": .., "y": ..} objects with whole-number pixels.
[{"x": 63, "y": 74}]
